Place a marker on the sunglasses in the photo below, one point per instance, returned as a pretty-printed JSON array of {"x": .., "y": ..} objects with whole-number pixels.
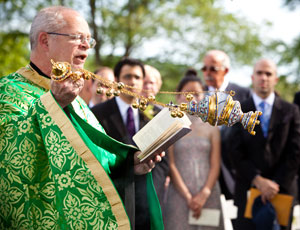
[{"x": 211, "y": 68}]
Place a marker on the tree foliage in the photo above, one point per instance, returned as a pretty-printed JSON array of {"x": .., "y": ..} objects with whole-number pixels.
[
  {"x": 289, "y": 55},
  {"x": 179, "y": 32},
  {"x": 286, "y": 89},
  {"x": 16, "y": 44},
  {"x": 292, "y": 4}
]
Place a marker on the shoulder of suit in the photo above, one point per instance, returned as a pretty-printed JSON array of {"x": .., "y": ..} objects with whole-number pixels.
[
  {"x": 285, "y": 103},
  {"x": 103, "y": 105},
  {"x": 234, "y": 86},
  {"x": 247, "y": 105}
]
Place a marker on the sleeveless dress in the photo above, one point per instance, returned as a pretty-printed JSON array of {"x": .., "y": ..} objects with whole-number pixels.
[{"x": 192, "y": 159}]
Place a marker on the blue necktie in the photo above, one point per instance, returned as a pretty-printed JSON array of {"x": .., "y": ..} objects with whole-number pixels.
[
  {"x": 264, "y": 120},
  {"x": 130, "y": 122}
]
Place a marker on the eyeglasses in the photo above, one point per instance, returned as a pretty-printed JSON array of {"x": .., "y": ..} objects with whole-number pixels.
[
  {"x": 211, "y": 68},
  {"x": 78, "y": 37}
]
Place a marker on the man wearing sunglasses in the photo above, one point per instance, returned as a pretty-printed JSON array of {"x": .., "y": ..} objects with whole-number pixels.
[{"x": 216, "y": 65}]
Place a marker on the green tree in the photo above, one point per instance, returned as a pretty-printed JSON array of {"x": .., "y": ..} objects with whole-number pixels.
[
  {"x": 122, "y": 28},
  {"x": 286, "y": 89},
  {"x": 13, "y": 43},
  {"x": 15, "y": 19},
  {"x": 292, "y": 4},
  {"x": 289, "y": 55}
]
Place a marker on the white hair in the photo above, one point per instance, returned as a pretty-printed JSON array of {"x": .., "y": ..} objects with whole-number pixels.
[
  {"x": 220, "y": 55},
  {"x": 49, "y": 19},
  {"x": 155, "y": 73}
]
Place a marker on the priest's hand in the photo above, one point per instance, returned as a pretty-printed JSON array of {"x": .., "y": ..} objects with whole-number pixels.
[
  {"x": 144, "y": 167},
  {"x": 66, "y": 91}
]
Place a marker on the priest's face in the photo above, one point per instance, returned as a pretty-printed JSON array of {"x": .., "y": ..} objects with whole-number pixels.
[{"x": 68, "y": 48}]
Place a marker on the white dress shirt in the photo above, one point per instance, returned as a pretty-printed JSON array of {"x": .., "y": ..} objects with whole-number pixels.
[
  {"x": 222, "y": 88},
  {"x": 269, "y": 101},
  {"x": 123, "y": 107}
]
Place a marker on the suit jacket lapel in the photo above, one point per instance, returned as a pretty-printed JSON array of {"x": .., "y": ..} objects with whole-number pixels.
[{"x": 275, "y": 117}]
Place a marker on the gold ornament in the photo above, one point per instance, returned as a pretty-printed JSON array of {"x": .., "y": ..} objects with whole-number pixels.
[
  {"x": 174, "y": 113},
  {"x": 60, "y": 70},
  {"x": 217, "y": 109},
  {"x": 180, "y": 114},
  {"x": 99, "y": 90},
  {"x": 120, "y": 85},
  {"x": 109, "y": 92},
  {"x": 189, "y": 97},
  {"x": 151, "y": 98},
  {"x": 143, "y": 101},
  {"x": 142, "y": 107},
  {"x": 183, "y": 107},
  {"x": 117, "y": 93},
  {"x": 76, "y": 75},
  {"x": 135, "y": 105}
]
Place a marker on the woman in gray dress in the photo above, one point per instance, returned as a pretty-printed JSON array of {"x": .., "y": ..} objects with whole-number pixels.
[{"x": 194, "y": 169}]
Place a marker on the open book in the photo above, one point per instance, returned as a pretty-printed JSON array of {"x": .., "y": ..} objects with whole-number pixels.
[{"x": 159, "y": 133}]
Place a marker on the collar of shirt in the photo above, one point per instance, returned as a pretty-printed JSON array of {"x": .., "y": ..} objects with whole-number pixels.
[
  {"x": 223, "y": 86},
  {"x": 269, "y": 101},
  {"x": 38, "y": 70},
  {"x": 123, "y": 107},
  {"x": 91, "y": 104}
]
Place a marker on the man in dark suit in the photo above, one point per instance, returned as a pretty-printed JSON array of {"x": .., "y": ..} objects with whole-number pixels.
[
  {"x": 216, "y": 65},
  {"x": 269, "y": 160},
  {"x": 297, "y": 99},
  {"x": 113, "y": 116},
  {"x": 297, "y": 102}
]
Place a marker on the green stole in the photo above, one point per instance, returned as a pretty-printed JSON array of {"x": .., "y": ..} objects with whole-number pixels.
[{"x": 53, "y": 172}]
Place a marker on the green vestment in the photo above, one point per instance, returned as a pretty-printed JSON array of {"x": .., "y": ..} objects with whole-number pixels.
[{"x": 53, "y": 168}]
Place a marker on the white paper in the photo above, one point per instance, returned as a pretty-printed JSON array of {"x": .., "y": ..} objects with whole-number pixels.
[{"x": 209, "y": 217}]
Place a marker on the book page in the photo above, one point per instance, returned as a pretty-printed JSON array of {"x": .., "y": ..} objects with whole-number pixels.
[
  {"x": 209, "y": 217},
  {"x": 165, "y": 136},
  {"x": 151, "y": 132}
]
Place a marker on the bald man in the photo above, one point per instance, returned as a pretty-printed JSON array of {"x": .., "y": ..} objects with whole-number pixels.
[{"x": 269, "y": 160}]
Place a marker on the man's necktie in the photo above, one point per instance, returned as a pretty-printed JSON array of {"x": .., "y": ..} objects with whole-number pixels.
[
  {"x": 264, "y": 120},
  {"x": 130, "y": 122}
]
